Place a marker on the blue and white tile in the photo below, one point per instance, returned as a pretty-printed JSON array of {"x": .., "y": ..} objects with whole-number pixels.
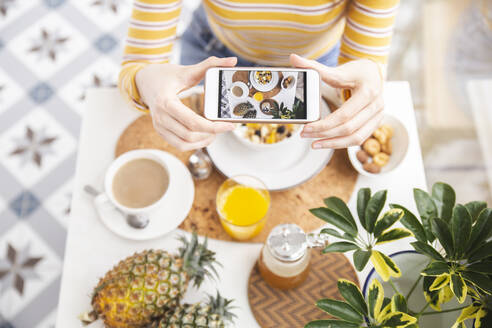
[
  {"x": 28, "y": 266},
  {"x": 106, "y": 14},
  {"x": 34, "y": 146},
  {"x": 10, "y": 92},
  {"x": 103, "y": 73},
  {"x": 48, "y": 45},
  {"x": 10, "y": 10},
  {"x": 58, "y": 204}
]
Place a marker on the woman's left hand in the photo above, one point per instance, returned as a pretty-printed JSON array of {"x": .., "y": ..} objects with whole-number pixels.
[{"x": 359, "y": 116}]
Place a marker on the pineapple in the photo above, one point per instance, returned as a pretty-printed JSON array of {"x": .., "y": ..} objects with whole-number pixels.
[
  {"x": 142, "y": 287},
  {"x": 214, "y": 313}
]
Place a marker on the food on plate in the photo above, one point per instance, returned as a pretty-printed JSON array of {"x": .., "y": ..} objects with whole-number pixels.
[
  {"x": 258, "y": 96},
  {"x": 371, "y": 146},
  {"x": 269, "y": 106},
  {"x": 362, "y": 156},
  {"x": 141, "y": 287},
  {"x": 375, "y": 151},
  {"x": 287, "y": 82},
  {"x": 250, "y": 114},
  {"x": 263, "y": 77},
  {"x": 242, "y": 108},
  {"x": 214, "y": 313},
  {"x": 266, "y": 133}
]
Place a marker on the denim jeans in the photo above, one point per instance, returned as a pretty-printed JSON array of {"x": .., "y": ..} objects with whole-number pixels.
[{"x": 198, "y": 43}]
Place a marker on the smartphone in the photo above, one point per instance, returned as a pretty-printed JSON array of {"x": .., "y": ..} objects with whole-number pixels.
[{"x": 262, "y": 94}]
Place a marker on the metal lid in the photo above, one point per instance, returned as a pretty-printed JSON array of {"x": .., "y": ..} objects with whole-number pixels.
[{"x": 287, "y": 242}]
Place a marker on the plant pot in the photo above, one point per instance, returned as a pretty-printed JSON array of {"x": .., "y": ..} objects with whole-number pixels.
[{"x": 411, "y": 264}]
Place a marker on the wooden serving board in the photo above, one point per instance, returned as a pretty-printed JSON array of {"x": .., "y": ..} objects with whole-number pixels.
[
  {"x": 243, "y": 76},
  {"x": 290, "y": 206},
  {"x": 295, "y": 307}
]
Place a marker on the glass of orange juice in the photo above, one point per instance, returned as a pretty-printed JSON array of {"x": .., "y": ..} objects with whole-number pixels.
[{"x": 242, "y": 204}]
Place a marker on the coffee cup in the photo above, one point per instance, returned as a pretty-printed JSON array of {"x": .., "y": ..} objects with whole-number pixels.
[
  {"x": 137, "y": 182},
  {"x": 239, "y": 90}
]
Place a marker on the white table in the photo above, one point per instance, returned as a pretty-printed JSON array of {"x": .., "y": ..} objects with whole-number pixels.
[{"x": 91, "y": 249}]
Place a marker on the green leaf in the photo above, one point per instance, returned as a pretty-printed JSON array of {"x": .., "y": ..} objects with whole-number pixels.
[
  {"x": 363, "y": 196},
  {"x": 340, "y": 247},
  {"x": 361, "y": 257},
  {"x": 374, "y": 207},
  {"x": 483, "y": 267},
  {"x": 375, "y": 298},
  {"x": 338, "y": 206},
  {"x": 340, "y": 310},
  {"x": 389, "y": 218},
  {"x": 436, "y": 268},
  {"x": 480, "y": 230},
  {"x": 393, "y": 234},
  {"x": 398, "y": 319},
  {"x": 432, "y": 297},
  {"x": 478, "y": 279},
  {"x": 411, "y": 222},
  {"x": 482, "y": 252},
  {"x": 458, "y": 287},
  {"x": 331, "y": 324},
  {"x": 334, "y": 233},
  {"x": 351, "y": 293},
  {"x": 427, "y": 210},
  {"x": 461, "y": 224},
  {"x": 428, "y": 250},
  {"x": 474, "y": 208},
  {"x": 335, "y": 219},
  {"x": 444, "y": 198},
  {"x": 399, "y": 303},
  {"x": 441, "y": 230}
]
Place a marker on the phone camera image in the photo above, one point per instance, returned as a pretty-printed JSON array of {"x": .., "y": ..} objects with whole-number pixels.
[{"x": 262, "y": 95}]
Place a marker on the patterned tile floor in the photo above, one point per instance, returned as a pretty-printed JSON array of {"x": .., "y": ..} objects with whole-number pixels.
[{"x": 50, "y": 52}]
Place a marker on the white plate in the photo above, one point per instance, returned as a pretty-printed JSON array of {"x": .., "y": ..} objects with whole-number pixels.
[
  {"x": 264, "y": 87},
  {"x": 280, "y": 168},
  {"x": 175, "y": 207}
]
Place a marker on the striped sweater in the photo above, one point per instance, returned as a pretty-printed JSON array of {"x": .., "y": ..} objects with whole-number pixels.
[{"x": 262, "y": 31}]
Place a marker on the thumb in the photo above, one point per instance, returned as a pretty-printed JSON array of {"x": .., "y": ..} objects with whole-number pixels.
[
  {"x": 333, "y": 76},
  {"x": 195, "y": 73}
]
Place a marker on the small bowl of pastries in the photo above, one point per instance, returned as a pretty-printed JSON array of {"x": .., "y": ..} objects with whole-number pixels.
[{"x": 383, "y": 151}]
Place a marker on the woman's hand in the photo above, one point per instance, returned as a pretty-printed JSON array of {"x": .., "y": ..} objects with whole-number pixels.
[
  {"x": 359, "y": 116},
  {"x": 159, "y": 85}
]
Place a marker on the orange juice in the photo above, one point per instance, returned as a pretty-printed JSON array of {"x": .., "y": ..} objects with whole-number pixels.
[{"x": 242, "y": 209}]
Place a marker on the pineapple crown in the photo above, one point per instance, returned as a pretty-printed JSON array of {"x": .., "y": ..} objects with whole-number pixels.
[
  {"x": 222, "y": 307},
  {"x": 198, "y": 261}
]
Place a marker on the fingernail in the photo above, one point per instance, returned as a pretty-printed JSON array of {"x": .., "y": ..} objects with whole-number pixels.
[
  {"x": 317, "y": 146},
  {"x": 308, "y": 129}
]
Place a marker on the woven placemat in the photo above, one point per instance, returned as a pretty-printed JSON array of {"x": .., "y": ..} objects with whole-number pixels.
[
  {"x": 290, "y": 206},
  {"x": 275, "y": 308}
]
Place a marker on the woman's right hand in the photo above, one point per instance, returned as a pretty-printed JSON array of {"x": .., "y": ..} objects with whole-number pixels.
[{"x": 159, "y": 86}]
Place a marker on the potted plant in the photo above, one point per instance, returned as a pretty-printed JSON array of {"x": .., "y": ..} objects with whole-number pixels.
[{"x": 453, "y": 237}]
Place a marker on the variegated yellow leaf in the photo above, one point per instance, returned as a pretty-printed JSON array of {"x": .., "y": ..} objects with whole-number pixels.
[
  {"x": 433, "y": 302},
  {"x": 375, "y": 298},
  {"x": 479, "y": 316},
  {"x": 445, "y": 295},
  {"x": 458, "y": 286},
  {"x": 384, "y": 312},
  {"x": 468, "y": 313},
  {"x": 398, "y": 320},
  {"x": 441, "y": 281},
  {"x": 384, "y": 266}
]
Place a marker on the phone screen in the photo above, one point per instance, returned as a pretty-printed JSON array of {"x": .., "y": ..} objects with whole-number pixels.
[{"x": 262, "y": 94}]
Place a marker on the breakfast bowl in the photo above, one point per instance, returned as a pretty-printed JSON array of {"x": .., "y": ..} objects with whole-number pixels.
[
  {"x": 288, "y": 82},
  {"x": 383, "y": 151},
  {"x": 262, "y": 136}
]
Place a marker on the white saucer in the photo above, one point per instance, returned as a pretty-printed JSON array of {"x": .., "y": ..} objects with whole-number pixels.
[
  {"x": 175, "y": 207},
  {"x": 281, "y": 167}
]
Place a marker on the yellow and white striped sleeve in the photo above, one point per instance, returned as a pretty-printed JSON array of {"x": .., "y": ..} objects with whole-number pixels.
[
  {"x": 368, "y": 30},
  {"x": 151, "y": 34}
]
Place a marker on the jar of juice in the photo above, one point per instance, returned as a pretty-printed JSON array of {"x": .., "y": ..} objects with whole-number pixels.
[
  {"x": 285, "y": 258},
  {"x": 242, "y": 204}
]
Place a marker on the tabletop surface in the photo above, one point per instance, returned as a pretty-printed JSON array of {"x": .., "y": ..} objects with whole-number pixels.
[{"x": 91, "y": 249}]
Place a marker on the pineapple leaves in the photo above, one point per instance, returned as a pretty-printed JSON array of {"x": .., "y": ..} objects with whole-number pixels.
[
  {"x": 444, "y": 198},
  {"x": 340, "y": 310},
  {"x": 331, "y": 324},
  {"x": 441, "y": 230},
  {"x": 427, "y": 210},
  {"x": 335, "y": 219},
  {"x": 363, "y": 197},
  {"x": 338, "y": 206},
  {"x": 389, "y": 218},
  {"x": 352, "y": 294},
  {"x": 373, "y": 208},
  {"x": 361, "y": 257},
  {"x": 410, "y": 222},
  {"x": 428, "y": 250},
  {"x": 461, "y": 223},
  {"x": 340, "y": 247},
  {"x": 393, "y": 234}
]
